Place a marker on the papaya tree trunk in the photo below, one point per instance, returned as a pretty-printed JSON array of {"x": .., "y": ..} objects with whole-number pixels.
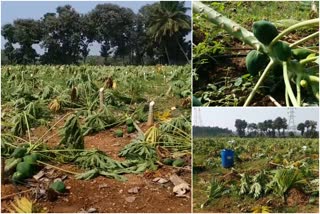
[
  {"x": 228, "y": 25},
  {"x": 101, "y": 100}
]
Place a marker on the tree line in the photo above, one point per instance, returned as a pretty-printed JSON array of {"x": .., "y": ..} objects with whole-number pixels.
[
  {"x": 274, "y": 128},
  {"x": 156, "y": 34},
  {"x": 201, "y": 131}
]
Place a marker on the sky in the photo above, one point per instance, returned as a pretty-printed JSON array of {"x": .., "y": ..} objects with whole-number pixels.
[
  {"x": 225, "y": 117},
  {"x": 11, "y": 10}
]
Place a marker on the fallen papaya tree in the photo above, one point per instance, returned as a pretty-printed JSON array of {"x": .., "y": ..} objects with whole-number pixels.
[{"x": 300, "y": 65}]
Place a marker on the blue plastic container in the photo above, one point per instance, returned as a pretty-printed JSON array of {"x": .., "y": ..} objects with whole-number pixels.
[{"x": 227, "y": 158}]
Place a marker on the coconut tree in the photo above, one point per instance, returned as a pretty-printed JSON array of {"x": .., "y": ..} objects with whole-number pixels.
[
  {"x": 313, "y": 125},
  {"x": 166, "y": 23},
  {"x": 307, "y": 124}
]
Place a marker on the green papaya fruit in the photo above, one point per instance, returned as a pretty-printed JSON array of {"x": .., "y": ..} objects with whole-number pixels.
[
  {"x": 119, "y": 133},
  {"x": 304, "y": 83},
  {"x": 256, "y": 61},
  {"x": 130, "y": 129},
  {"x": 58, "y": 186},
  {"x": 17, "y": 177},
  {"x": 129, "y": 122},
  {"x": 19, "y": 152},
  {"x": 281, "y": 50},
  {"x": 168, "y": 161},
  {"x": 178, "y": 163},
  {"x": 264, "y": 31},
  {"x": 25, "y": 169},
  {"x": 196, "y": 101},
  {"x": 32, "y": 159}
]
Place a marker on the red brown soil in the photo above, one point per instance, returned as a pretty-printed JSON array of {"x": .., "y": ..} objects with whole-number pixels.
[
  {"x": 296, "y": 197},
  {"x": 109, "y": 195}
]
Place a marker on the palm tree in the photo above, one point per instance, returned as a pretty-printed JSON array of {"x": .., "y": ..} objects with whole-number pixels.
[
  {"x": 167, "y": 21},
  {"x": 313, "y": 125},
  {"x": 307, "y": 124}
]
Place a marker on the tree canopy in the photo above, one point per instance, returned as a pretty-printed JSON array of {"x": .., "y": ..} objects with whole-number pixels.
[{"x": 155, "y": 35}]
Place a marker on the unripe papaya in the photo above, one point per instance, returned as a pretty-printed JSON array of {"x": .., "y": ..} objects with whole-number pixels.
[
  {"x": 264, "y": 31},
  {"x": 304, "y": 83},
  {"x": 281, "y": 50},
  {"x": 196, "y": 101},
  {"x": 256, "y": 61}
]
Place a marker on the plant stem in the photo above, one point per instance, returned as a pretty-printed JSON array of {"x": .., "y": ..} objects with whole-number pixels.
[
  {"x": 53, "y": 126},
  {"x": 304, "y": 39},
  {"x": 293, "y": 27},
  {"x": 288, "y": 86},
  {"x": 311, "y": 59},
  {"x": 287, "y": 98},
  {"x": 254, "y": 90},
  {"x": 230, "y": 26},
  {"x": 55, "y": 167},
  {"x": 28, "y": 129},
  {"x": 298, "y": 79}
]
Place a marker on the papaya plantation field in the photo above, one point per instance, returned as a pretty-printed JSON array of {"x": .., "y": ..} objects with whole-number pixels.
[
  {"x": 95, "y": 138},
  {"x": 256, "y": 53},
  {"x": 276, "y": 175}
]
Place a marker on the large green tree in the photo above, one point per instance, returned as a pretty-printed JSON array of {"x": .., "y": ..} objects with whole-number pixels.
[
  {"x": 113, "y": 26},
  {"x": 241, "y": 126},
  {"x": 63, "y": 36},
  {"x": 24, "y": 33}
]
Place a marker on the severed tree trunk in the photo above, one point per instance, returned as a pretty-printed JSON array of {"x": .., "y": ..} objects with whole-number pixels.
[
  {"x": 150, "y": 114},
  {"x": 101, "y": 90},
  {"x": 230, "y": 26}
]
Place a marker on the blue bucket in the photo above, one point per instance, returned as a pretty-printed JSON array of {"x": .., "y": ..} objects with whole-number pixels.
[{"x": 227, "y": 157}]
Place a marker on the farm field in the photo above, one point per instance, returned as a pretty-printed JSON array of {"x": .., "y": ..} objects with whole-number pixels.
[
  {"x": 237, "y": 58},
  {"x": 269, "y": 175},
  {"x": 86, "y": 149}
]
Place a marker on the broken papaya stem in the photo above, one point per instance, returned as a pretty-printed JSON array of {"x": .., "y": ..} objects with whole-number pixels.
[
  {"x": 55, "y": 167},
  {"x": 28, "y": 128},
  {"x": 316, "y": 34},
  {"x": 230, "y": 26},
  {"x": 287, "y": 98},
  {"x": 53, "y": 126},
  {"x": 260, "y": 81},
  {"x": 288, "y": 86},
  {"x": 293, "y": 27},
  {"x": 298, "y": 88}
]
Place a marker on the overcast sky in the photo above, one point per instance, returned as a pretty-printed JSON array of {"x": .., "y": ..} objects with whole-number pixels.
[
  {"x": 36, "y": 9},
  {"x": 225, "y": 117}
]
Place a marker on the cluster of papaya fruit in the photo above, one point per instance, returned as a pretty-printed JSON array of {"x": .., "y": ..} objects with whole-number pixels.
[
  {"x": 130, "y": 128},
  {"x": 265, "y": 32},
  {"x": 26, "y": 164},
  {"x": 174, "y": 162}
]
